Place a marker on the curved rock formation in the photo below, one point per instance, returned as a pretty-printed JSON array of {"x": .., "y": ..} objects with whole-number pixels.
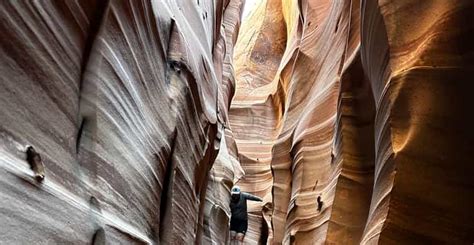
[
  {"x": 419, "y": 58},
  {"x": 253, "y": 114},
  {"x": 125, "y": 122},
  {"x": 363, "y": 117},
  {"x": 126, "y": 103},
  {"x": 303, "y": 96}
]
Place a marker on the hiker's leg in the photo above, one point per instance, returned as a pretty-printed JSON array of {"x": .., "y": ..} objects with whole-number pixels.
[
  {"x": 240, "y": 238},
  {"x": 232, "y": 237}
]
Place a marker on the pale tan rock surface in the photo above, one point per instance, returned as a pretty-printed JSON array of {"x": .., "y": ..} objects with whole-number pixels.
[{"x": 253, "y": 114}]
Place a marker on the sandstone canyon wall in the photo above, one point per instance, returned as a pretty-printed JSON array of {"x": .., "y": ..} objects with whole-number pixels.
[
  {"x": 359, "y": 103},
  {"x": 126, "y": 102},
  {"x": 351, "y": 118},
  {"x": 419, "y": 58}
]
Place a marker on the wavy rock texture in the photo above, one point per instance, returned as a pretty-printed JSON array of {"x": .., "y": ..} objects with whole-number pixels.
[
  {"x": 363, "y": 104},
  {"x": 253, "y": 114},
  {"x": 299, "y": 108},
  {"x": 351, "y": 119},
  {"x": 420, "y": 62},
  {"x": 126, "y": 101}
]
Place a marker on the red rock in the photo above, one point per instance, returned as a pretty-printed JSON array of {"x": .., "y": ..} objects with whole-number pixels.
[
  {"x": 350, "y": 118},
  {"x": 363, "y": 116}
]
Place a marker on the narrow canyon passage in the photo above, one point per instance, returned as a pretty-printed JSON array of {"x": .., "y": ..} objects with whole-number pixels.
[
  {"x": 129, "y": 121},
  {"x": 331, "y": 129},
  {"x": 303, "y": 120}
]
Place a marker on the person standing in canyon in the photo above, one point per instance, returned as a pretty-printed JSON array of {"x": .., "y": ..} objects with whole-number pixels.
[{"x": 239, "y": 219}]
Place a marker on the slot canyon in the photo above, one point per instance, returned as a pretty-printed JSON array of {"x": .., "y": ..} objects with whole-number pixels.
[{"x": 129, "y": 121}]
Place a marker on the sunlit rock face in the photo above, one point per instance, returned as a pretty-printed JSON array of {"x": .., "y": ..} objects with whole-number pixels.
[
  {"x": 126, "y": 102},
  {"x": 253, "y": 114},
  {"x": 364, "y": 105},
  {"x": 419, "y": 58}
]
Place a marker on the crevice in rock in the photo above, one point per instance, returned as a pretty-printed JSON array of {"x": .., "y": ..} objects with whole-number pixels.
[
  {"x": 80, "y": 133},
  {"x": 99, "y": 237},
  {"x": 36, "y": 163},
  {"x": 202, "y": 176},
  {"x": 344, "y": 113},
  {"x": 337, "y": 23},
  {"x": 263, "y": 233},
  {"x": 97, "y": 18},
  {"x": 165, "y": 200}
]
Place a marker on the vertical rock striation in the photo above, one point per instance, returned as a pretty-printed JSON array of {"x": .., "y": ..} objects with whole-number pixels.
[
  {"x": 303, "y": 95},
  {"x": 365, "y": 118},
  {"x": 351, "y": 119},
  {"x": 126, "y": 101},
  {"x": 419, "y": 58}
]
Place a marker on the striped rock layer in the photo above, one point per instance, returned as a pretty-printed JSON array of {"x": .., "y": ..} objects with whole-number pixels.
[
  {"x": 363, "y": 104},
  {"x": 126, "y": 102},
  {"x": 351, "y": 118}
]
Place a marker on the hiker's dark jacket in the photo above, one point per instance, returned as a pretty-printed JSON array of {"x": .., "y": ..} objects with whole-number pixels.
[{"x": 239, "y": 207}]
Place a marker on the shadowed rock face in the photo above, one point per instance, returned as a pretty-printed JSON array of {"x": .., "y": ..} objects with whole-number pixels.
[
  {"x": 126, "y": 102},
  {"x": 350, "y": 118},
  {"x": 421, "y": 71},
  {"x": 367, "y": 111}
]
